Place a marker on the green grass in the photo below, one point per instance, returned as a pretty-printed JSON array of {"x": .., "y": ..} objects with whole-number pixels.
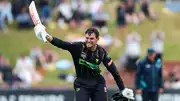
[{"x": 16, "y": 41}]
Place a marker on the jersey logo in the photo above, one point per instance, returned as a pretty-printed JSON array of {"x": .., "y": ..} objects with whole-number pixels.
[
  {"x": 83, "y": 55},
  {"x": 97, "y": 60},
  {"x": 77, "y": 89},
  {"x": 105, "y": 89},
  {"x": 148, "y": 66}
]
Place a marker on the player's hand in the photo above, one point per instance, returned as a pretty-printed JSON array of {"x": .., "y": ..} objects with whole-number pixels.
[
  {"x": 49, "y": 38},
  {"x": 161, "y": 90},
  {"x": 41, "y": 32},
  {"x": 139, "y": 91},
  {"x": 128, "y": 93}
]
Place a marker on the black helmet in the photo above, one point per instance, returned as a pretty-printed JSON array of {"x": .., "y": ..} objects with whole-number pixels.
[{"x": 118, "y": 97}]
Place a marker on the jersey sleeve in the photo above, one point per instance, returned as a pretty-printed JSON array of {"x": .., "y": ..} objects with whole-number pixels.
[
  {"x": 70, "y": 46},
  {"x": 107, "y": 61},
  {"x": 139, "y": 72},
  {"x": 161, "y": 74}
]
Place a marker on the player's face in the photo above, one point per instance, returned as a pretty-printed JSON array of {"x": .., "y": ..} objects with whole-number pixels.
[{"x": 91, "y": 40}]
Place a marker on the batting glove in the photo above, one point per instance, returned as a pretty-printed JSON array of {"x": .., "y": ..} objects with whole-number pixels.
[{"x": 40, "y": 32}]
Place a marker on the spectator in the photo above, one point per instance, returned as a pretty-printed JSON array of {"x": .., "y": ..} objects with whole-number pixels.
[
  {"x": 131, "y": 16},
  {"x": 79, "y": 8},
  {"x": 5, "y": 12},
  {"x": 175, "y": 78},
  {"x": 99, "y": 20},
  {"x": 133, "y": 49},
  {"x": 7, "y": 76},
  {"x": 23, "y": 19},
  {"x": 18, "y": 5},
  {"x": 50, "y": 55},
  {"x": 146, "y": 11},
  {"x": 95, "y": 5},
  {"x": 64, "y": 13},
  {"x": 38, "y": 57},
  {"x": 55, "y": 3},
  {"x": 26, "y": 71},
  {"x": 5, "y": 70},
  {"x": 50, "y": 59},
  {"x": 3, "y": 61},
  {"x": 158, "y": 43},
  {"x": 121, "y": 21},
  {"x": 167, "y": 83},
  {"x": 45, "y": 12}
]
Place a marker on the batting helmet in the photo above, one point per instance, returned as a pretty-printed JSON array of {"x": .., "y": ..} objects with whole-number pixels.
[{"x": 118, "y": 97}]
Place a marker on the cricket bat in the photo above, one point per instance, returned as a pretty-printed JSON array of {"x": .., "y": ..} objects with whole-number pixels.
[{"x": 35, "y": 17}]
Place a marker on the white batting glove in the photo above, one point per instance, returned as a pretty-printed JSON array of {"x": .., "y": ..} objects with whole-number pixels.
[
  {"x": 40, "y": 32},
  {"x": 128, "y": 93}
]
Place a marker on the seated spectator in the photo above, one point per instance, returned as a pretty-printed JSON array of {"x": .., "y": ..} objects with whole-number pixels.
[
  {"x": 18, "y": 5},
  {"x": 79, "y": 8},
  {"x": 38, "y": 57},
  {"x": 65, "y": 13},
  {"x": 45, "y": 12},
  {"x": 175, "y": 78},
  {"x": 6, "y": 73},
  {"x": 121, "y": 21},
  {"x": 5, "y": 13},
  {"x": 50, "y": 59},
  {"x": 146, "y": 11},
  {"x": 23, "y": 19},
  {"x": 131, "y": 16},
  {"x": 100, "y": 20},
  {"x": 132, "y": 50},
  {"x": 55, "y": 3},
  {"x": 95, "y": 5},
  {"x": 3, "y": 61},
  {"x": 77, "y": 19},
  {"x": 158, "y": 43},
  {"x": 80, "y": 5},
  {"x": 5, "y": 69},
  {"x": 26, "y": 71}
]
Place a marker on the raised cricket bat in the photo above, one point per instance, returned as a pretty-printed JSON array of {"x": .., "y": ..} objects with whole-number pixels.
[{"x": 35, "y": 17}]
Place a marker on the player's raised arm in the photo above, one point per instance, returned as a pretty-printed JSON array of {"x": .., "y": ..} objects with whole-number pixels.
[{"x": 42, "y": 34}]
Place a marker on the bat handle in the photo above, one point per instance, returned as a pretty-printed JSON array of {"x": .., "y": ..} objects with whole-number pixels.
[{"x": 44, "y": 36}]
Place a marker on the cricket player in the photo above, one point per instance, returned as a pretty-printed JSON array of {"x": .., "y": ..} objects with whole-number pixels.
[
  {"x": 149, "y": 79},
  {"x": 87, "y": 57}
]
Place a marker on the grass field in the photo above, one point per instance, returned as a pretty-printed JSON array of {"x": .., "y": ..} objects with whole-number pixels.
[{"x": 16, "y": 41}]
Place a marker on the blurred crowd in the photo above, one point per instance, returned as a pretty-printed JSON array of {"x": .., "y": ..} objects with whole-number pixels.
[
  {"x": 133, "y": 49},
  {"x": 73, "y": 13},
  {"x": 29, "y": 69},
  {"x": 171, "y": 75}
]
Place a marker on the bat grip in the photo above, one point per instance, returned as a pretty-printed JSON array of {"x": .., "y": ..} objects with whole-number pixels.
[{"x": 44, "y": 36}]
